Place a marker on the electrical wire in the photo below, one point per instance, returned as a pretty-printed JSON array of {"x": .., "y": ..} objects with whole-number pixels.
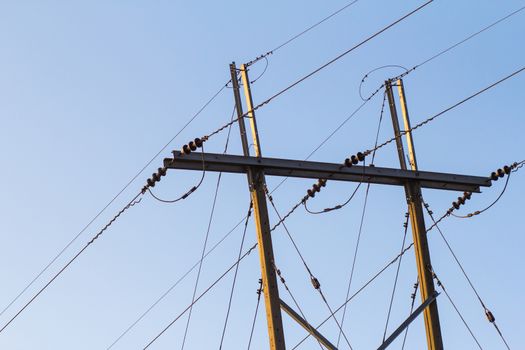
[
  {"x": 101, "y": 211},
  {"x": 200, "y": 296},
  {"x": 363, "y": 212},
  {"x": 235, "y": 275},
  {"x": 382, "y": 85},
  {"x": 131, "y": 203},
  {"x": 405, "y": 225},
  {"x": 313, "y": 279},
  {"x": 440, "y": 284},
  {"x": 259, "y": 292},
  {"x": 459, "y": 43},
  {"x": 413, "y": 297},
  {"x": 190, "y": 191},
  {"x": 219, "y": 177},
  {"x": 488, "y": 313},
  {"x": 477, "y": 212},
  {"x": 271, "y": 52},
  {"x": 283, "y": 282},
  {"x": 333, "y": 60},
  {"x": 175, "y": 284},
  {"x": 457, "y": 104}
]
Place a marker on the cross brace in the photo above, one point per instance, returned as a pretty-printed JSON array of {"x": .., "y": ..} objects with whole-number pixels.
[{"x": 331, "y": 171}]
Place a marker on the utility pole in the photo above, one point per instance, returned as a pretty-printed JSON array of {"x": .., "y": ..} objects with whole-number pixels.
[
  {"x": 257, "y": 185},
  {"x": 415, "y": 207},
  {"x": 258, "y": 167}
]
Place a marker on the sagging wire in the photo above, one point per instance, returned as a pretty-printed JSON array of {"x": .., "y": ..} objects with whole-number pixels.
[
  {"x": 349, "y": 162},
  {"x": 382, "y": 85},
  {"x": 440, "y": 284},
  {"x": 405, "y": 225},
  {"x": 428, "y": 120},
  {"x": 488, "y": 313},
  {"x": 137, "y": 199},
  {"x": 162, "y": 172},
  {"x": 259, "y": 292},
  {"x": 494, "y": 176}
]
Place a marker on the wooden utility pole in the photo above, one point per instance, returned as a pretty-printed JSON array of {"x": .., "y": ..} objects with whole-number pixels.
[
  {"x": 257, "y": 185},
  {"x": 415, "y": 207},
  {"x": 258, "y": 167}
]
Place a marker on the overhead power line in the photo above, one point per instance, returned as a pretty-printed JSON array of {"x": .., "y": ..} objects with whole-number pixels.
[
  {"x": 272, "y": 51},
  {"x": 131, "y": 203},
  {"x": 119, "y": 193}
]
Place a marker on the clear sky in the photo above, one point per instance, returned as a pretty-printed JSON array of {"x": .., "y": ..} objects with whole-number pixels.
[{"x": 91, "y": 90}]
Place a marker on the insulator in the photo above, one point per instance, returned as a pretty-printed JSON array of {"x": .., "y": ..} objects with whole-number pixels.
[
  {"x": 186, "y": 149},
  {"x": 360, "y": 156},
  {"x": 455, "y": 205},
  {"x": 315, "y": 283},
  {"x": 311, "y": 193},
  {"x": 192, "y": 145},
  {"x": 316, "y": 188},
  {"x": 467, "y": 195},
  {"x": 507, "y": 169},
  {"x": 198, "y": 142},
  {"x": 151, "y": 183},
  {"x": 494, "y": 176},
  {"x": 348, "y": 162},
  {"x": 501, "y": 173},
  {"x": 322, "y": 182},
  {"x": 490, "y": 316},
  {"x": 155, "y": 177},
  {"x": 162, "y": 171},
  {"x": 461, "y": 200},
  {"x": 354, "y": 160}
]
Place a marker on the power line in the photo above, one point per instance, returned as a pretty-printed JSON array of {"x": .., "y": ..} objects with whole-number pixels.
[
  {"x": 446, "y": 110},
  {"x": 440, "y": 284},
  {"x": 442, "y": 52},
  {"x": 271, "y": 52},
  {"x": 131, "y": 203},
  {"x": 405, "y": 225},
  {"x": 259, "y": 292},
  {"x": 158, "y": 300},
  {"x": 101, "y": 211},
  {"x": 488, "y": 313},
  {"x": 208, "y": 230},
  {"x": 459, "y": 42},
  {"x": 200, "y": 296},
  {"x": 235, "y": 274},
  {"x": 363, "y": 211},
  {"x": 317, "y": 70},
  {"x": 313, "y": 279}
]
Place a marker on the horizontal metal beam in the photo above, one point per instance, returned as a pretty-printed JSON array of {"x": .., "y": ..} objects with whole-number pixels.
[
  {"x": 331, "y": 171},
  {"x": 307, "y": 326},
  {"x": 409, "y": 320}
]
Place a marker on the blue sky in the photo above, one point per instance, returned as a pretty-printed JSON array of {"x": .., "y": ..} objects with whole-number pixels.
[{"x": 90, "y": 91}]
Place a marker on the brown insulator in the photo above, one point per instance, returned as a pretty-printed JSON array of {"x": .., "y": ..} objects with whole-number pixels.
[
  {"x": 151, "y": 183},
  {"x": 198, "y": 142},
  {"x": 360, "y": 156},
  {"x": 311, "y": 193},
  {"x": 192, "y": 145},
  {"x": 467, "y": 195},
  {"x": 494, "y": 176},
  {"x": 455, "y": 205},
  {"x": 354, "y": 160},
  {"x": 348, "y": 162},
  {"x": 316, "y": 188},
  {"x": 490, "y": 316},
  {"x": 507, "y": 169},
  {"x": 501, "y": 173},
  {"x": 186, "y": 149}
]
